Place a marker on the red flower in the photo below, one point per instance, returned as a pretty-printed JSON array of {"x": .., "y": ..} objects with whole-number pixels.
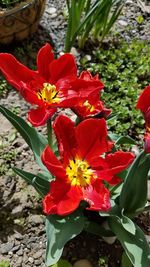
[
  {"x": 92, "y": 106},
  {"x": 144, "y": 104},
  {"x": 147, "y": 142},
  {"x": 82, "y": 167},
  {"x": 53, "y": 85}
]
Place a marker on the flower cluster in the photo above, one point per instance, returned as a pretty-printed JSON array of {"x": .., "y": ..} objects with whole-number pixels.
[{"x": 87, "y": 167}]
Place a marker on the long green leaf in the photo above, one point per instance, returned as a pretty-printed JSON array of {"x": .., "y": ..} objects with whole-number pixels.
[
  {"x": 59, "y": 231},
  {"x": 133, "y": 196},
  {"x": 135, "y": 245},
  {"x": 35, "y": 141},
  {"x": 40, "y": 184}
]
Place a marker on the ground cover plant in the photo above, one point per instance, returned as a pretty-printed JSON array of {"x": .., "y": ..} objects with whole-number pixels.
[
  {"x": 81, "y": 170},
  {"x": 124, "y": 69}
]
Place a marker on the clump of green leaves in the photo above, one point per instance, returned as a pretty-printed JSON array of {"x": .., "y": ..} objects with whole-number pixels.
[
  {"x": 4, "y": 87},
  {"x": 87, "y": 17},
  {"x": 4, "y": 263},
  {"x": 8, "y": 3},
  {"x": 124, "y": 69}
]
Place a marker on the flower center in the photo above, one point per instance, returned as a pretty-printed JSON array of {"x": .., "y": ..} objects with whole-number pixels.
[
  {"x": 88, "y": 106},
  {"x": 48, "y": 93},
  {"x": 79, "y": 172}
]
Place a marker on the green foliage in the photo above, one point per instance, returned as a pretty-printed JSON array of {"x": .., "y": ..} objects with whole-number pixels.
[
  {"x": 8, "y": 3},
  {"x": 59, "y": 231},
  {"x": 131, "y": 200},
  {"x": 102, "y": 262},
  {"x": 62, "y": 263},
  {"x": 4, "y": 87},
  {"x": 124, "y": 69},
  {"x": 87, "y": 16},
  {"x": 40, "y": 182},
  {"x": 35, "y": 140},
  {"x": 4, "y": 263},
  {"x": 134, "y": 244},
  {"x": 125, "y": 262}
]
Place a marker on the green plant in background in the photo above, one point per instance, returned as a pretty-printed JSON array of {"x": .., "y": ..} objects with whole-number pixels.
[
  {"x": 8, "y": 3},
  {"x": 4, "y": 263},
  {"x": 89, "y": 16},
  {"x": 124, "y": 69}
]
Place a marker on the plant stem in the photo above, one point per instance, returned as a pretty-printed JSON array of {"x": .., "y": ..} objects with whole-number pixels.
[{"x": 49, "y": 133}]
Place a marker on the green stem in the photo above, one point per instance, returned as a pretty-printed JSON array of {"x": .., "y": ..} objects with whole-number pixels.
[{"x": 49, "y": 133}]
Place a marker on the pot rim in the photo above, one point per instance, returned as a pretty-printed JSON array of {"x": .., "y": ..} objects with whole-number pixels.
[{"x": 20, "y": 6}]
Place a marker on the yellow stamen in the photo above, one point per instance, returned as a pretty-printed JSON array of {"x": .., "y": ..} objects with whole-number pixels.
[
  {"x": 79, "y": 172},
  {"x": 48, "y": 93},
  {"x": 88, "y": 106}
]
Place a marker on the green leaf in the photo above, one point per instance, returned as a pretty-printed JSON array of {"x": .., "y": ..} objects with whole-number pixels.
[
  {"x": 133, "y": 196},
  {"x": 125, "y": 261},
  {"x": 135, "y": 246},
  {"x": 125, "y": 140},
  {"x": 35, "y": 141},
  {"x": 40, "y": 184},
  {"x": 128, "y": 224},
  {"x": 59, "y": 231},
  {"x": 62, "y": 263}
]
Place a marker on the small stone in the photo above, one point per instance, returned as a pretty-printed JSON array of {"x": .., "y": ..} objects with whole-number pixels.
[
  {"x": 18, "y": 262},
  {"x": 51, "y": 10},
  {"x": 30, "y": 259},
  {"x": 122, "y": 23},
  {"x": 82, "y": 263},
  {"x": 18, "y": 236},
  {"x": 36, "y": 219},
  {"x": 129, "y": 2},
  {"x": 20, "y": 252},
  {"x": 53, "y": 16},
  {"x": 5, "y": 248},
  {"x": 16, "y": 248},
  {"x": 74, "y": 52},
  {"x": 37, "y": 255},
  {"x": 38, "y": 262}
]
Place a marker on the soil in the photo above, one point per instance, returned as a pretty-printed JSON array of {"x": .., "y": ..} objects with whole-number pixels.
[{"x": 22, "y": 230}]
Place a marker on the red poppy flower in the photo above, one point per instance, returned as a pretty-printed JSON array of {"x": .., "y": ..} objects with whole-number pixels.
[
  {"x": 82, "y": 167},
  {"x": 53, "y": 85},
  {"x": 144, "y": 104}
]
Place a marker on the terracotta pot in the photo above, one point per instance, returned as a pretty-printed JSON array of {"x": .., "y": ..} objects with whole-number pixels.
[{"x": 20, "y": 21}]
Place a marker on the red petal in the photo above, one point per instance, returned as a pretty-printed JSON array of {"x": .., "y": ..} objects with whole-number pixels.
[
  {"x": 63, "y": 67},
  {"x": 65, "y": 133},
  {"x": 14, "y": 71},
  {"x": 62, "y": 199},
  {"x": 53, "y": 164},
  {"x": 144, "y": 100},
  {"x": 44, "y": 58},
  {"x": 147, "y": 143},
  {"x": 91, "y": 136},
  {"x": 97, "y": 196},
  {"x": 40, "y": 116},
  {"x": 117, "y": 162}
]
